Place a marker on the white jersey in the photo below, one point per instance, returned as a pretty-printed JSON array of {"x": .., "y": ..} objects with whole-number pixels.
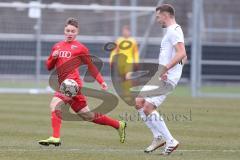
[{"x": 173, "y": 35}]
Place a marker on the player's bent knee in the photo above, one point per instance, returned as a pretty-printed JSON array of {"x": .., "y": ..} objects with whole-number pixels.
[
  {"x": 148, "y": 108},
  {"x": 139, "y": 101},
  {"x": 56, "y": 103},
  {"x": 87, "y": 116},
  {"x": 147, "y": 111}
]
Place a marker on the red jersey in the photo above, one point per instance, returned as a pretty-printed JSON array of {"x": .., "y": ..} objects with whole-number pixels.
[{"x": 70, "y": 56}]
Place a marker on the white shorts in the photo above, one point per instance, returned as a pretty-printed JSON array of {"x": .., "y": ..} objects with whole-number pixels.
[{"x": 158, "y": 100}]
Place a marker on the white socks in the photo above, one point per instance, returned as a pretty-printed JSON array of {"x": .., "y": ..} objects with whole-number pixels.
[
  {"x": 155, "y": 132},
  {"x": 158, "y": 123}
]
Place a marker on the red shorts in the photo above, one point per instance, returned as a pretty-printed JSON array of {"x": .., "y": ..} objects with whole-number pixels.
[{"x": 77, "y": 102}]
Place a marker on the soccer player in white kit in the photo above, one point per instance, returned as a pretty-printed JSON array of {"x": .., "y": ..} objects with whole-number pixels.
[{"x": 172, "y": 56}]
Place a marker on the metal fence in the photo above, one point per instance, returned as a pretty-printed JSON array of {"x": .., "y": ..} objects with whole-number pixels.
[{"x": 29, "y": 28}]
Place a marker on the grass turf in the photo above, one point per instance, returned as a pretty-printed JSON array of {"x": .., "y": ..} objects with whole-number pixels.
[{"x": 207, "y": 128}]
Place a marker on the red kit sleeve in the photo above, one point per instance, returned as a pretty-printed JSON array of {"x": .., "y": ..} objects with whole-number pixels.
[{"x": 50, "y": 62}]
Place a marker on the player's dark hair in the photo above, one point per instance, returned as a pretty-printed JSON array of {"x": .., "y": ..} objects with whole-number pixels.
[
  {"x": 166, "y": 8},
  {"x": 72, "y": 21}
]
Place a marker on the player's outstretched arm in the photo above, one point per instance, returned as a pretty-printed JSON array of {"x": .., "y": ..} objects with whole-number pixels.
[
  {"x": 93, "y": 69},
  {"x": 97, "y": 75}
]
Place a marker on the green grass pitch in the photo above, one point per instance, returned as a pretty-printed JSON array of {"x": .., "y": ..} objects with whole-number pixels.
[{"x": 207, "y": 128}]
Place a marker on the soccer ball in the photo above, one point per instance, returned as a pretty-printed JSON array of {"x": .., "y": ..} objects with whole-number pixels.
[{"x": 69, "y": 88}]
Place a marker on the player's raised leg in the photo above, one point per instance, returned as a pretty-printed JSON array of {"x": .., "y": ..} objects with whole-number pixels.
[
  {"x": 101, "y": 119},
  {"x": 56, "y": 120},
  {"x": 106, "y": 120}
]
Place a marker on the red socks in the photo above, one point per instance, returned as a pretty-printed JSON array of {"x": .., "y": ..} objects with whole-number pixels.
[
  {"x": 56, "y": 123},
  {"x": 99, "y": 119},
  {"x": 105, "y": 120}
]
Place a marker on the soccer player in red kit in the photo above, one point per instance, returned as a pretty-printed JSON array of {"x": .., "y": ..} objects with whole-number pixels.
[{"x": 73, "y": 53}]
